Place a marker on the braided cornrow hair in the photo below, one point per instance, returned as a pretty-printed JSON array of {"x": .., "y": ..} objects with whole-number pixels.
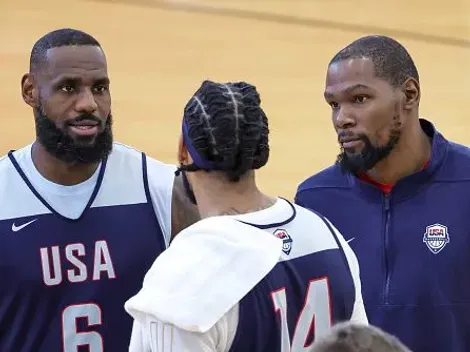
[{"x": 225, "y": 129}]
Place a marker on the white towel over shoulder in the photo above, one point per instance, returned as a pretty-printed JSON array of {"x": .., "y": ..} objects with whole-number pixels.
[{"x": 207, "y": 270}]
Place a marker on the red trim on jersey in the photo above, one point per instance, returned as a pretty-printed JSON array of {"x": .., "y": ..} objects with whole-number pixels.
[{"x": 385, "y": 188}]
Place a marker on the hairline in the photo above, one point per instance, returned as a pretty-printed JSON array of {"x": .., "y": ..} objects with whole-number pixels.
[
  {"x": 44, "y": 60},
  {"x": 384, "y": 78}
]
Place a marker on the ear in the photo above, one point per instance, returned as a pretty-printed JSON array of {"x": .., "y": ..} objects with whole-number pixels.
[
  {"x": 412, "y": 94},
  {"x": 29, "y": 90},
  {"x": 183, "y": 155}
]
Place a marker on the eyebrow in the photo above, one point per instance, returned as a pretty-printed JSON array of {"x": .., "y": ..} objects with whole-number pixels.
[
  {"x": 76, "y": 79},
  {"x": 104, "y": 81},
  {"x": 347, "y": 90}
]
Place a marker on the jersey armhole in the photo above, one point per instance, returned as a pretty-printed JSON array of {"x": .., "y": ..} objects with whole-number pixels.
[
  {"x": 148, "y": 197},
  {"x": 145, "y": 178},
  {"x": 340, "y": 247}
]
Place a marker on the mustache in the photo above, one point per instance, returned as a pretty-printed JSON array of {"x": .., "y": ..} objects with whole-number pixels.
[
  {"x": 86, "y": 117},
  {"x": 349, "y": 134}
]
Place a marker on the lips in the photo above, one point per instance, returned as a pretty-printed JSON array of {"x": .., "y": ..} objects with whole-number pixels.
[
  {"x": 350, "y": 141},
  {"x": 84, "y": 123},
  {"x": 84, "y": 127}
]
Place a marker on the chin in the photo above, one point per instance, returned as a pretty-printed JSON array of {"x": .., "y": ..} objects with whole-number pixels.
[
  {"x": 84, "y": 140},
  {"x": 353, "y": 152}
]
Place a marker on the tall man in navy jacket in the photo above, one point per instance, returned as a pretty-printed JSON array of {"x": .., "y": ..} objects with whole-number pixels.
[{"x": 400, "y": 194}]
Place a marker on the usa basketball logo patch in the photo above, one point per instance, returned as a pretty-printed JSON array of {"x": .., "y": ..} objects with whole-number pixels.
[
  {"x": 436, "y": 237},
  {"x": 286, "y": 240}
]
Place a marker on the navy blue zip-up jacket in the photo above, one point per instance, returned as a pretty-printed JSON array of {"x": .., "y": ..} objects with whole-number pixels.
[{"x": 413, "y": 245}]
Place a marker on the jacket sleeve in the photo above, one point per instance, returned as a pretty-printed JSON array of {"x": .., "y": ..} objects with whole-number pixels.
[{"x": 303, "y": 199}]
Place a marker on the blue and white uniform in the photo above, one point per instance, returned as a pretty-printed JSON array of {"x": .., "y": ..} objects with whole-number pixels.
[
  {"x": 271, "y": 280},
  {"x": 70, "y": 256}
]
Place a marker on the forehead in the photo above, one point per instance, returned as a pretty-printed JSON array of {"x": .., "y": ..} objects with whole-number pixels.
[
  {"x": 86, "y": 60},
  {"x": 346, "y": 74}
]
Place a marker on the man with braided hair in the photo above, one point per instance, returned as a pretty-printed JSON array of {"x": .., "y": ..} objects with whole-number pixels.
[{"x": 257, "y": 273}]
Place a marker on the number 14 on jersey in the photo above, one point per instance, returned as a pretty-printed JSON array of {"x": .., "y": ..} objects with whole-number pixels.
[{"x": 314, "y": 319}]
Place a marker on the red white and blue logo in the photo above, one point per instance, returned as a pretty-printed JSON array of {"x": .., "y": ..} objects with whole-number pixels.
[
  {"x": 436, "y": 237},
  {"x": 286, "y": 240}
]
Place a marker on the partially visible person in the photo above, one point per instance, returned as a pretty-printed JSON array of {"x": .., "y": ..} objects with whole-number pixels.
[
  {"x": 81, "y": 218},
  {"x": 257, "y": 273},
  {"x": 400, "y": 194},
  {"x": 352, "y": 337}
]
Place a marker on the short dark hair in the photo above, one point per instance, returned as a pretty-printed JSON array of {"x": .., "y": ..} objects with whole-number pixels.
[
  {"x": 354, "y": 337},
  {"x": 391, "y": 60},
  {"x": 58, "y": 38},
  {"x": 228, "y": 127}
]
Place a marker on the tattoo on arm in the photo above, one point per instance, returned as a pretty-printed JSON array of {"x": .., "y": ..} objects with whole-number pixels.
[{"x": 183, "y": 212}]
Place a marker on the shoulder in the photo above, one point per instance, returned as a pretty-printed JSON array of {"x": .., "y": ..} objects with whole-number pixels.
[
  {"x": 17, "y": 200},
  {"x": 156, "y": 169},
  {"x": 6, "y": 165},
  {"x": 458, "y": 153},
  {"x": 121, "y": 150},
  {"x": 452, "y": 159},
  {"x": 456, "y": 166},
  {"x": 214, "y": 263},
  {"x": 331, "y": 177},
  {"x": 310, "y": 233},
  {"x": 159, "y": 175},
  {"x": 5, "y": 162}
]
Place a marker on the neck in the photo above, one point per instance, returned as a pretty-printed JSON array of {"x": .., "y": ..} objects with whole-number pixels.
[
  {"x": 409, "y": 155},
  {"x": 57, "y": 171},
  {"x": 216, "y": 198}
]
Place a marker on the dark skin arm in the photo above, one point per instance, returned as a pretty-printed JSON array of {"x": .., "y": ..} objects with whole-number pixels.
[{"x": 183, "y": 212}]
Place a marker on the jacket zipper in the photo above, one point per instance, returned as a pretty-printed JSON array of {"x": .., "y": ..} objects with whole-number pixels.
[{"x": 386, "y": 248}]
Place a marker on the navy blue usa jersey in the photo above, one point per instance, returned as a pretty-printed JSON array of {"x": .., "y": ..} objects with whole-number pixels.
[
  {"x": 64, "y": 281},
  {"x": 310, "y": 289}
]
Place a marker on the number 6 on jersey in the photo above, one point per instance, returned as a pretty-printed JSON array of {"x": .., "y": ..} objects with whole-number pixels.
[
  {"x": 73, "y": 339},
  {"x": 314, "y": 317}
]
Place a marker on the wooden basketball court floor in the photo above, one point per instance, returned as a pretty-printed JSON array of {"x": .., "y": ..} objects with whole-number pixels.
[{"x": 159, "y": 52}]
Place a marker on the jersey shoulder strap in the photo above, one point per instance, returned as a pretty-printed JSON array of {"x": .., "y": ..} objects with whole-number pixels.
[{"x": 208, "y": 268}]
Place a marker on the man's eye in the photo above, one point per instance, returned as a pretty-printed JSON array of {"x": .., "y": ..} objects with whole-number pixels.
[
  {"x": 100, "y": 89},
  {"x": 67, "y": 88},
  {"x": 360, "y": 99}
]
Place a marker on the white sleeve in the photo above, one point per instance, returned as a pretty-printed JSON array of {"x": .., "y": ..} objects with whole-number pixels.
[
  {"x": 160, "y": 178},
  {"x": 138, "y": 341},
  {"x": 164, "y": 337},
  {"x": 359, "y": 313}
]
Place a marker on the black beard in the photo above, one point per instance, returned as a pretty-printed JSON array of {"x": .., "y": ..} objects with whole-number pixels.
[
  {"x": 73, "y": 151},
  {"x": 368, "y": 157}
]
